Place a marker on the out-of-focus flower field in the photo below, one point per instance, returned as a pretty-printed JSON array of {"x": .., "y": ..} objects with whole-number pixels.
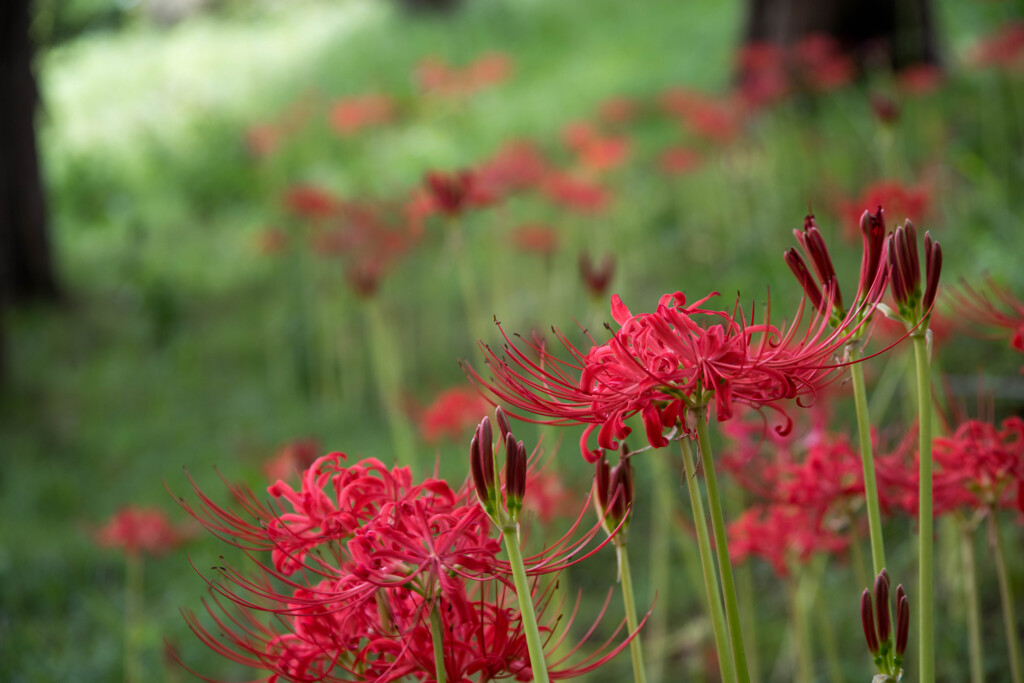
[{"x": 282, "y": 228}]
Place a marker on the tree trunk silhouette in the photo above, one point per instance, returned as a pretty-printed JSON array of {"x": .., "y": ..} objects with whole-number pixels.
[
  {"x": 900, "y": 33},
  {"x": 26, "y": 263}
]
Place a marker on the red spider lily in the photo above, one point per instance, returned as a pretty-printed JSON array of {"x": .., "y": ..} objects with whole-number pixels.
[
  {"x": 291, "y": 459},
  {"x": 899, "y": 199},
  {"x": 919, "y": 79},
  {"x": 676, "y": 161},
  {"x": 594, "y": 151},
  {"x": 351, "y": 114},
  {"x": 435, "y": 76},
  {"x": 913, "y": 304},
  {"x": 820, "y": 63},
  {"x": 618, "y": 110},
  {"x": 138, "y": 530},
  {"x": 517, "y": 166},
  {"x": 311, "y": 202},
  {"x": 575, "y": 193},
  {"x": 535, "y": 238},
  {"x": 761, "y": 74},
  {"x": 595, "y": 277},
  {"x": 549, "y": 499},
  {"x": 455, "y": 193},
  {"x": 357, "y": 566},
  {"x": 710, "y": 118},
  {"x": 898, "y": 474},
  {"x": 659, "y": 364},
  {"x": 782, "y": 535},
  {"x": 452, "y": 415},
  {"x": 1003, "y": 48},
  {"x": 996, "y": 308},
  {"x": 985, "y": 464}
]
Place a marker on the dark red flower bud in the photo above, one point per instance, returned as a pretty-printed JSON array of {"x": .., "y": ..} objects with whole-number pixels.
[
  {"x": 515, "y": 475},
  {"x": 451, "y": 191},
  {"x": 872, "y": 228},
  {"x": 882, "y": 607},
  {"x": 902, "y": 621},
  {"x": 933, "y": 264},
  {"x": 867, "y": 620},
  {"x": 814, "y": 246},
  {"x": 503, "y": 424},
  {"x": 621, "y": 491},
  {"x": 596, "y": 278},
  {"x": 481, "y": 465},
  {"x": 799, "y": 267}
]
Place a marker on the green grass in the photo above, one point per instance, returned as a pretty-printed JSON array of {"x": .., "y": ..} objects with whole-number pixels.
[{"x": 180, "y": 345}]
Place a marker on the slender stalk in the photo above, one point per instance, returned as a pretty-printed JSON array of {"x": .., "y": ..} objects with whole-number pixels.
[
  {"x": 661, "y": 516},
  {"x": 825, "y": 627},
  {"x": 857, "y": 557},
  {"x": 867, "y": 457},
  {"x": 804, "y": 670},
  {"x": 523, "y": 594},
  {"x": 387, "y": 372},
  {"x": 732, "y": 612},
  {"x": 1006, "y": 594},
  {"x": 973, "y": 606},
  {"x": 925, "y": 577},
  {"x": 629, "y": 601},
  {"x": 437, "y": 637},
  {"x": 725, "y": 661},
  {"x": 132, "y": 617}
]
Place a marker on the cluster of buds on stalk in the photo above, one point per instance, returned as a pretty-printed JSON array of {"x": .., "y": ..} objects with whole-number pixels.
[
  {"x": 613, "y": 495},
  {"x": 913, "y": 306},
  {"x": 482, "y": 458},
  {"x": 877, "y": 623}
]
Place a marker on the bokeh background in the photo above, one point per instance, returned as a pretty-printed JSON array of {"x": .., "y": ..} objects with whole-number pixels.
[{"x": 246, "y": 264}]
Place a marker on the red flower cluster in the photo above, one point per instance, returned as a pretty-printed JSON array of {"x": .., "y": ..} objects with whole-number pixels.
[
  {"x": 997, "y": 308},
  {"x": 435, "y": 76},
  {"x": 768, "y": 72},
  {"x": 982, "y": 466},
  {"x": 349, "y": 115},
  {"x": 141, "y": 530},
  {"x": 1003, "y": 48},
  {"x": 452, "y": 414},
  {"x": 360, "y": 559},
  {"x": 899, "y": 199},
  {"x": 782, "y": 535}
]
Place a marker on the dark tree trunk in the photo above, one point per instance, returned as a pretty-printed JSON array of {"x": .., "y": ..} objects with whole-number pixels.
[
  {"x": 26, "y": 264},
  {"x": 899, "y": 32}
]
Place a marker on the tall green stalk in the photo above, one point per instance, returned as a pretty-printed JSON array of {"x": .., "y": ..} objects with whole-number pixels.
[
  {"x": 523, "y": 594},
  {"x": 711, "y": 588},
  {"x": 804, "y": 669},
  {"x": 867, "y": 461},
  {"x": 732, "y": 611},
  {"x": 437, "y": 637},
  {"x": 1006, "y": 594},
  {"x": 387, "y": 372},
  {"x": 132, "y": 617},
  {"x": 629, "y": 600},
  {"x": 926, "y": 585},
  {"x": 971, "y": 596},
  {"x": 661, "y": 516}
]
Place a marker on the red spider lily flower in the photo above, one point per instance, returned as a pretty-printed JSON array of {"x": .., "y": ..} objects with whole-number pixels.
[
  {"x": 517, "y": 166},
  {"x": 997, "y": 308},
  {"x": 676, "y": 161},
  {"x": 549, "y": 498},
  {"x": 489, "y": 69},
  {"x": 603, "y": 154},
  {"x": 596, "y": 278},
  {"x": 784, "y": 535},
  {"x": 710, "y": 118},
  {"x": 454, "y": 193},
  {"x": 351, "y": 114},
  {"x": 578, "y": 134},
  {"x": 984, "y": 463},
  {"x": 575, "y": 193},
  {"x": 535, "y": 238},
  {"x": 821, "y": 64},
  {"x": 659, "y": 364},
  {"x": 138, "y": 530},
  {"x": 1003, "y": 48},
  {"x": 291, "y": 459},
  {"x": 435, "y": 76},
  {"x": 919, "y": 79},
  {"x": 453, "y": 413},
  {"x": 311, "y": 202},
  {"x": 761, "y": 74},
  {"x": 899, "y": 199}
]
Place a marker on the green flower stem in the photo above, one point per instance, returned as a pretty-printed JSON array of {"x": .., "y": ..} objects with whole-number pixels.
[
  {"x": 745, "y": 578},
  {"x": 804, "y": 672},
  {"x": 1006, "y": 593},
  {"x": 629, "y": 601},
  {"x": 132, "y": 617},
  {"x": 661, "y": 516},
  {"x": 437, "y": 637},
  {"x": 725, "y": 660},
  {"x": 973, "y": 606},
  {"x": 925, "y": 577},
  {"x": 515, "y": 558},
  {"x": 732, "y": 612},
  {"x": 857, "y": 558},
  {"x": 821, "y": 609},
  {"x": 867, "y": 457},
  {"x": 385, "y": 359}
]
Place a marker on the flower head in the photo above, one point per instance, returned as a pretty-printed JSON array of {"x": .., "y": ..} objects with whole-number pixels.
[{"x": 139, "y": 530}]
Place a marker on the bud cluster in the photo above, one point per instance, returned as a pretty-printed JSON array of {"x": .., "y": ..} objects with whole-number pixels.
[
  {"x": 482, "y": 467},
  {"x": 876, "y": 620},
  {"x": 613, "y": 494},
  {"x": 913, "y": 306}
]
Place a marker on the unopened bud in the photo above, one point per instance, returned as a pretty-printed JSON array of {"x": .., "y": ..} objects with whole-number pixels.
[
  {"x": 882, "y": 607},
  {"x": 867, "y": 620},
  {"x": 902, "y": 621}
]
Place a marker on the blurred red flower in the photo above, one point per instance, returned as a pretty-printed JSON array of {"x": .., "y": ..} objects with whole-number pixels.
[
  {"x": 575, "y": 193},
  {"x": 678, "y": 161},
  {"x": 291, "y": 459},
  {"x": 453, "y": 414},
  {"x": 1002, "y": 48},
  {"x": 310, "y": 201},
  {"x": 351, "y": 114},
  {"x": 535, "y": 238},
  {"x": 137, "y": 529},
  {"x": 900, "y": 200}
]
